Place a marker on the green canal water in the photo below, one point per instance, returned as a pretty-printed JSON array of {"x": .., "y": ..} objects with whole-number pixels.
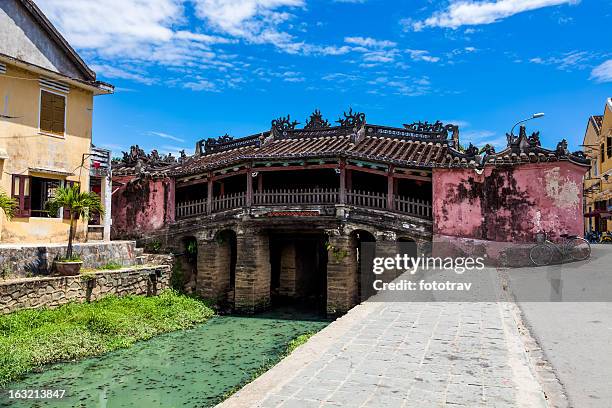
[{"x": 189, "y": 368}]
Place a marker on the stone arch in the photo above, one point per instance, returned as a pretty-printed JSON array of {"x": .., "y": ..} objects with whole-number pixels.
[
  {"x": 362, "y": 253},
  {"x": 225, "y": 263}
]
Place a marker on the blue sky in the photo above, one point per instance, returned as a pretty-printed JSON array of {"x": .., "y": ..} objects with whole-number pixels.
[{"x": 188, "y": 70}]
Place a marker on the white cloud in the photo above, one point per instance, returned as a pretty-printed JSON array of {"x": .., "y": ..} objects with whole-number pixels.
[
  {"x": 379, "y": 56},
  {"x": 116, "y": 72},
  {"x": 204, "y": 38},
  {"x": 458, "y": 122},
  {"x": 201, "y": 85},
  {"x": 95, "y": 24},
  {"x": 166, "y": 136},
  {"x": 255, "y": 21},
  {"x": 463, "y": 12},
  {"x": 422, "y": 55},
  {"x": 340, "y": 77},
  {"x": 566, "y": 61},
  {"x": 603, "y": 72},
  {"x": 291, "y": 76},
  {"x": 400, "y": 85},
  {"x": 369, "y": 42}
]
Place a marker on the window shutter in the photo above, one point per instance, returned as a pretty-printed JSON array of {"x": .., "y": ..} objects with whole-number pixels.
[
  {"x": 20, "y": 191},
  {"x": 52, "y": 112},
  {"x": 59, "y": 108},
  {"x": 46, "y": 111}
]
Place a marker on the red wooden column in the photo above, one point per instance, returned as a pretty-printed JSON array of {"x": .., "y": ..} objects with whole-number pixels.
[
  {"x": 210, "y": 194},
  {"x": 249, "y": 187},
  {"x": 390, "y": 189},
  {"x": 260, "y": 181},
  {"x": 342, "y": 182}
]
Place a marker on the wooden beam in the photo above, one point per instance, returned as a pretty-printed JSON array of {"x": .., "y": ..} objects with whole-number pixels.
[
  {"x": 191, "y": 182},
  {"x": 366, "y": 170},
  {"x": 226, "y": 175},
  {"x": 411, "y": 176},
  {"x": 304, "y": 167}
]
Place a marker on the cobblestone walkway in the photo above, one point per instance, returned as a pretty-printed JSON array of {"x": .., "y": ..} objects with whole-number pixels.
[{"x": 405, "y": 355}]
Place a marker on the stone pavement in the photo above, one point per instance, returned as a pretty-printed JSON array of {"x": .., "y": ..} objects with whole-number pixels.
[
  {"x": 574, "y": 327},
  {"x": 405, "y": 354}
]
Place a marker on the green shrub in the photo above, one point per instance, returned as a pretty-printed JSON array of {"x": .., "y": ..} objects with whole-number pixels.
[
  {"x": 30, "y": 339},
  {"x": 112, "y": 265}
]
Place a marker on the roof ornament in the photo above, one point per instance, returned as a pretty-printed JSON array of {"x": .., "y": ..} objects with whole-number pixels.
[
  {"x": 512, "y": 139},
  {"x": 472, "y": 151},
  {"x": 437, "y": 128},
  {"x": 283, "y": 124},
  {"x": 534, "y": 139},
  {"x": 211, "y": 142},
  {"x": 316, "y": 121},
  {"x": 562, "y": 148},
  {"x": 488, "y": 149},
  {"x": 183, "y": 156},
  {"x": 352, "y": 119},
  {"x": 135, "y": 154},
  {"x": 419, "y": 126},
  {"x": 141, "y": 162}
]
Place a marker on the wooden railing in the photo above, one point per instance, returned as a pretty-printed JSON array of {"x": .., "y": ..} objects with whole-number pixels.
[
  {"x": 412, "y": 206},
  {"x": 191, "y": 208},
  {"x": 366, "y": 199},
  {"x": 228, "y": 202},
  {"x": 305, "y": 196},
  {"x": 297, "y": 196}
]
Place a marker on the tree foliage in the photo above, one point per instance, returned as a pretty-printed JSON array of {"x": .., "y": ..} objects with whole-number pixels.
[
  {"x": 79, "y": 204},
  {"x": 8, "y": 205}
]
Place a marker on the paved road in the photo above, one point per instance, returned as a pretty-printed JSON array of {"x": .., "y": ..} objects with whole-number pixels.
[
  {"x": 576, "y": 337},
  {"x": 405, "y": 354}
]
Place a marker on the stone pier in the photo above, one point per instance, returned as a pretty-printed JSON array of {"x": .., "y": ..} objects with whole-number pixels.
[{"x": 253, "y": 271}]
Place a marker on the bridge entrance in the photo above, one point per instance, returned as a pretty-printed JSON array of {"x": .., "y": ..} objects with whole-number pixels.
[{"x": 298, "y": 269}]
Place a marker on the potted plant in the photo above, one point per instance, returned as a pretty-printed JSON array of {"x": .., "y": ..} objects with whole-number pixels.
[
  {"x": 79, "y": 204},
  {"x": 8, "y": 205}
]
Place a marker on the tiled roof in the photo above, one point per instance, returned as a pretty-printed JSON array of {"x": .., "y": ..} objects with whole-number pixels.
[
  {"x": 419, "y": 145},
  {"x": 527, "y": 149},
  {"x": 400, "y": 146}
]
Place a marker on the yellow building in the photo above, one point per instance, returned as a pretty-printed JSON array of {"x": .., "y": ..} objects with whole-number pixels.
[
  {"x": 46, "y": 107},
  {"x": 598, "y": 181}
]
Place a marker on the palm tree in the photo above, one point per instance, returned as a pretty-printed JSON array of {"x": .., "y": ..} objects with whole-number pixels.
[
  {"x": 8, "y": 205},
  {"x": 80, "y": 204}
]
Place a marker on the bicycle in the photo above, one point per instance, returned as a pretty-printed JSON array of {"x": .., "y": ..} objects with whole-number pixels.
[{"x": 576, "y": 247}]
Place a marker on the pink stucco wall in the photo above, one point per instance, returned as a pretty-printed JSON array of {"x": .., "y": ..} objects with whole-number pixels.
[
  {"x": 508, "y": 204},
  {"x": 141, "y": 206}
]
